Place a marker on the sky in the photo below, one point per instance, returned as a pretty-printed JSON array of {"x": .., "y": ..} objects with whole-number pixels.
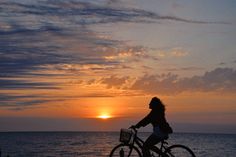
[{"x": 66, "y": 64}]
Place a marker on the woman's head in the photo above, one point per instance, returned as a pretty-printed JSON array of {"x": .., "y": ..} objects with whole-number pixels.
[{"x": 156, "y": 104}]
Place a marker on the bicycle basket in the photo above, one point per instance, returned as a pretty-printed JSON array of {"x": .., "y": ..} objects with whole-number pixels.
[{"x": 125, "y": 135}]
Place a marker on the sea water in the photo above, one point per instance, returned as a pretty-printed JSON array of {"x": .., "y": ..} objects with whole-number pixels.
[{"x": 99, "y": 144}]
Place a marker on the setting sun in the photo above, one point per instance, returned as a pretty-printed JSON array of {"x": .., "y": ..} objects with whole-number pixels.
[{"x": 104, "y": 116}]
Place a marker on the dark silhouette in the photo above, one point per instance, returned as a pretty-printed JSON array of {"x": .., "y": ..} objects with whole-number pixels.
[
  {"x": 161, "y": 128},
  {"x": 131, "y": 143}
]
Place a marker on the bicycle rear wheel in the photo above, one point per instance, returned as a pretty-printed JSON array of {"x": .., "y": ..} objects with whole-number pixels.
[
  {"x": 124, "y": 150},
  {"x": 179, "y": 151}
]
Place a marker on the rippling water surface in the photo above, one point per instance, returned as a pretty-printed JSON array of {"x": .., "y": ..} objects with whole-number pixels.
[{"x": 98, "y": 144}]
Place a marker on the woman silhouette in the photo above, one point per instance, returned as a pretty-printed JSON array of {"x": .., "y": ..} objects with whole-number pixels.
[{"x": 161, "y": 128}]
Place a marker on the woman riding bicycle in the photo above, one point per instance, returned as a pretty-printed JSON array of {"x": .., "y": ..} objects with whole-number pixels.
[{"x": 161, "y": 128}]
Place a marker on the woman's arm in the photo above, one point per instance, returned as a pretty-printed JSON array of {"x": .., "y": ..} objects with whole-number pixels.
[{"x": 145, "y": 121}]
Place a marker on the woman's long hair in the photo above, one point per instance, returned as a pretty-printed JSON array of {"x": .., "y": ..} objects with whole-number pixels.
[{"x": 157, "y": 105}]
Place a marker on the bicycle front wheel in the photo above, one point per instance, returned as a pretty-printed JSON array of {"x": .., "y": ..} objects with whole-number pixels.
[
  {"x": 179, "y": 151},
  {"x": 124, "y": 150}
]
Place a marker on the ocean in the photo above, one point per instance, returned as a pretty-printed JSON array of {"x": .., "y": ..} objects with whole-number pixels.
[{"x": 99, "y": 144}]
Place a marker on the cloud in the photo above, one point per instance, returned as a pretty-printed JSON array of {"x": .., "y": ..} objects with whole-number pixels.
[
  {"x": 8, "y": 84},
  {"x": 31, "y": 48},
  {"x": 190, "y": 68},
  {"x": 156, "y": 84},
  {"x": 18, "y": 102},
  {"x": 178, "y": 19},
  {"x": 173, "y": 52},
  {"x": 41, "y": 33},
  {"x": 218, "y": 80},
  {"x": 178, "y": 52},
  {"x": 222, "y": 63},
  {"x": 91, "y": 12},
  {"x": 114, "y": 81},
  {"x": 131, "y": 54},
  {"x": 43, "y": 42}
]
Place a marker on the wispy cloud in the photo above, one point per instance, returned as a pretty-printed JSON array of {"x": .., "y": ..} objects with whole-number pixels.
[
  {"x": 18, "y": 102},
  {"x": 90, "y": 12},
  {"x": 190, "y": 68},
  {"x": 173, "y": 52},
  {"x": 8, "y": 84}
]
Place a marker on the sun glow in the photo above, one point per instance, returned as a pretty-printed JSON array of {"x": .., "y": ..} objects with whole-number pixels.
[{"x": 104, "y": 116}]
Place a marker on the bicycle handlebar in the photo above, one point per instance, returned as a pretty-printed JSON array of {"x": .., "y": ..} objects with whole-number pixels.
[{"x": 134, "y": 129}]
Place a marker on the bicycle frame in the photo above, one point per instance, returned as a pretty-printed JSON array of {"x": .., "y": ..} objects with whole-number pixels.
[
  {"x": 163, "y": 151},
  {"x": 139, "y": 142}
]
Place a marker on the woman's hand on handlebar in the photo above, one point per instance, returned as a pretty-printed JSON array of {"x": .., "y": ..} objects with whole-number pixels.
[{"x": 133, "y": 127}]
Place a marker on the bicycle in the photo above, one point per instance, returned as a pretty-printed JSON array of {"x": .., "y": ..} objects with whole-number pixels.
[{"x": 131, "y": 146}]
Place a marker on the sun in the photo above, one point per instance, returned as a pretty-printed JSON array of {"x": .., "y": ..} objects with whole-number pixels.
[{"x": 104, "y": 116}]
